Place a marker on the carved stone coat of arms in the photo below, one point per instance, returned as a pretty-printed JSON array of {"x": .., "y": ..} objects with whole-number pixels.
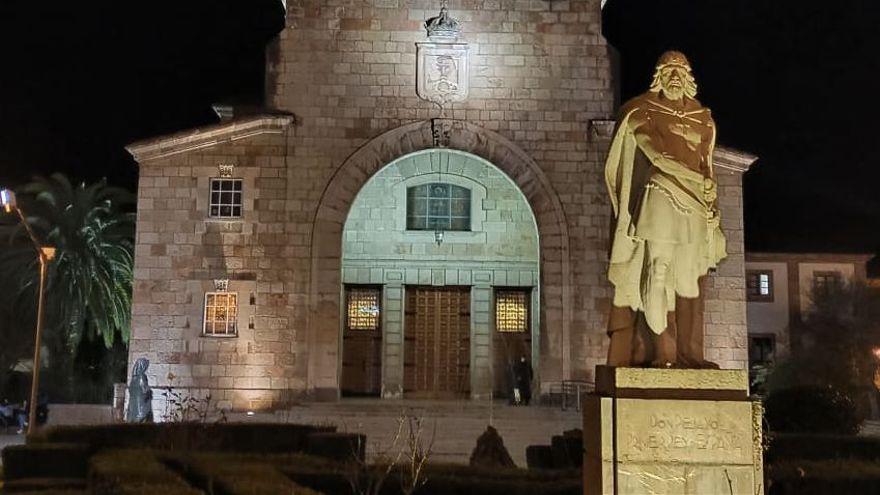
[{"x": 442, "y": 62}]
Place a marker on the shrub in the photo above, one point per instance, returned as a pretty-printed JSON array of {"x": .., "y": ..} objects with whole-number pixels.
[
  {"x": 791, "y": 446},
  {"x": 49, "y": 460},
  {"x": 810, "y": 409},
  {"x": 134, "y": 472},
  {"x": 455, "y": 480},
  {"x": 45, "y": 486},
  {"x": 234, "y": 475},
  {"x": 824, "y": 477},
  {"x": 228, "y": 437},
  {"x": 342, "y": 447},
  {"x": 539, "y": 457}
]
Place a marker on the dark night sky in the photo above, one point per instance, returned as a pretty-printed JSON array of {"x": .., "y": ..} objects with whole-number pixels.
[{"x": 793, "y": 82}]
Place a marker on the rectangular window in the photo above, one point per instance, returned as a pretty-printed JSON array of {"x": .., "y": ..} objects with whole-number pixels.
[
  {"x": 362, "y": 308},
  {"x": 221, "y": 310},
  {"x": 225, "y": 198},
  {"x": 826, "y": 281},
  {"x": 512, "y": 310},
  {"x": 438, "y": 206},
  {"x": 759, "y": 285},
  {"x": 762, "y": 349}
]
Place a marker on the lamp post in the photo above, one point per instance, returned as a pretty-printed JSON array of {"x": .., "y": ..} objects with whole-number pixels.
[{"x": 44, "y": 255}]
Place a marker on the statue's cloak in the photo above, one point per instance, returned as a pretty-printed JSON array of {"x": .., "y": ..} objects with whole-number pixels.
[{"x": 652, "y": 206}]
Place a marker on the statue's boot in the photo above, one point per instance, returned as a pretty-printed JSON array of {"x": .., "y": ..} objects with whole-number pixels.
[
  {"x": 665, "y": 344},
  {"x": 621, "y": 327},
  {"x": 690, "y": 339}
]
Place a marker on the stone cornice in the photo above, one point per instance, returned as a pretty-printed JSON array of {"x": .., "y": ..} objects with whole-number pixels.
[
  {"x": 781, "y": 257},
  {"x": 205, "y": 137},
  {"x": 732, "y": 159}
]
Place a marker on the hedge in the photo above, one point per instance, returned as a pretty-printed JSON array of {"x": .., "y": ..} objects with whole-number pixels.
[
  {"x": 851, "y": 477},
  {"x": 45, "y": 486},
  {"x": 234, "y": 475},
  {"x": 47, "y": 460},
  {"x": 134, "y": 472},
  {"x": 789, "y": 446},
  {"x": 453, "y": 480},
  {"x": 225, "y": 437}
]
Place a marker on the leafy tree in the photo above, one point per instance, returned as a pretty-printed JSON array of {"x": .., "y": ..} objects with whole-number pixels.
[
  {"x": 837, "y": 337},
  {"x": 834, "y": 345},
  {"x": 90, "y": 279}
]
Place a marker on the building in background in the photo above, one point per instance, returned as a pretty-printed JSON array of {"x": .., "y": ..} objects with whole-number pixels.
[{"x": 778, "y": 290}]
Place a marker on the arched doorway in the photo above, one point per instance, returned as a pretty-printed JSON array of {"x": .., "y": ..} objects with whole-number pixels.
[
  {"x": 322, "y": 345},
  {"x": 440, "y": 276}
]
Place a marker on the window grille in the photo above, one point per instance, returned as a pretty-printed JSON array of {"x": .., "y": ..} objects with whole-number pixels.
[
  {"x": 221, "y": 310},
  {"x": 511, "y": 311},
  {"x": 225, "y": 198},
  {"x": 759, "y": 285},
  {"x": 438, "y": 206},
  {"x": 362, "y": 308}
]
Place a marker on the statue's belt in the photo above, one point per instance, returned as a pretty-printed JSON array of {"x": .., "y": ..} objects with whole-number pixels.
[{"x": 683, "y": 199}]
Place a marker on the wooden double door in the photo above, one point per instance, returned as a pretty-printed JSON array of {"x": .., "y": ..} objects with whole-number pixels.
[{"x": 437, "y": 342}]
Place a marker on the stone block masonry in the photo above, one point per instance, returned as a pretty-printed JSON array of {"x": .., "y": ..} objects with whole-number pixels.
[{"x": 341, "y": 84}]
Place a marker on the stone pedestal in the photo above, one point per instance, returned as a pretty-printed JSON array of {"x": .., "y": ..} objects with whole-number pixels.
[{"x": 669, "y": 431}]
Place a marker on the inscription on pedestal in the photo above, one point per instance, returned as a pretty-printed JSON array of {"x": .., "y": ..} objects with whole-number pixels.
[{"x": 684, "y": 431}]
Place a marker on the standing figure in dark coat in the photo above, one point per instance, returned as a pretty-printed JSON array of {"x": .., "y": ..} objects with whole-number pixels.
[
  {"x": 522, "y": 374},
  {"x": 140, "y": 396}
]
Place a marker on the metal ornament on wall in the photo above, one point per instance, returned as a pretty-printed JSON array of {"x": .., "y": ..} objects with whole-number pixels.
[{"x": 442, "y": 61}]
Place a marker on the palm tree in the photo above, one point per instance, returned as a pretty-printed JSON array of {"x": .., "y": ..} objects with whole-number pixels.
[{"x": 90, "y": 279}]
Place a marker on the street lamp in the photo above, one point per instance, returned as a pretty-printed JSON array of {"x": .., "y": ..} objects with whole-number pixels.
[{"x": 44, "y": 255}]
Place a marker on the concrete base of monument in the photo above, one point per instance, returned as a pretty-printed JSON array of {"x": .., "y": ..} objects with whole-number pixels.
[{"x": 668, "y": 431}]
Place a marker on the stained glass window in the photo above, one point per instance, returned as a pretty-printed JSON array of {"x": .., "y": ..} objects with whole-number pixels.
[
  {"x": 438, "y": 206},
  {"x": 512, "y": 311},
  {"x": 221, "y": 310},
  {"x": 225, "y": 198},
  {"x": 362, "y": 308}
]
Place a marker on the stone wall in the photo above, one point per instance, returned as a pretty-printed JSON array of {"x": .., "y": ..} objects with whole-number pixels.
[
  {"x": 180, "y": 251},
  {"x": 539, "y": 74}
]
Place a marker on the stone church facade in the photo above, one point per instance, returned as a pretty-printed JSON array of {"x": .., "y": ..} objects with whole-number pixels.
[{"x": 355, "y": 238}]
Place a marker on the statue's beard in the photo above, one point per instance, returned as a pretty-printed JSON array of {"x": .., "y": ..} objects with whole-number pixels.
[{"x": 673, "y": 93}]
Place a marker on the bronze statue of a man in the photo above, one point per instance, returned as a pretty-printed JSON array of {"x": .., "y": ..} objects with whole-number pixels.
[{"x": 666, "y": 233}]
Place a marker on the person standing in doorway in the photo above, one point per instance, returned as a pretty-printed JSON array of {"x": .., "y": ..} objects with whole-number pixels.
[{"x": 522, "y": 373}]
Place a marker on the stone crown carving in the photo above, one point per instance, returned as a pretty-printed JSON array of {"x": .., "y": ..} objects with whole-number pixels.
[{"x": 443, "y": 27}]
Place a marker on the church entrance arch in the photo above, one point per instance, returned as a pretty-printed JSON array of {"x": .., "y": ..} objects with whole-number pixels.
[
  {"x": 383, "y": 223},
  {"x": 435, "y": 249}
]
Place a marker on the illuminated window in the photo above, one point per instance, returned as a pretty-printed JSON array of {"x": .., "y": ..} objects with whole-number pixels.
[
  {"x": 221, "y": 310},
  {"x": 759, "y": 285},
  {"x": 438, "y": 206},
  {"x": 362, "y": 308},
  {"x": 512, "y": 311},
  {"x": 225, "y": 198}
]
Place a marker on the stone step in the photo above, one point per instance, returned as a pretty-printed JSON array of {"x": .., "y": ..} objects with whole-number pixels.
[{"x": 454, "y": 425}]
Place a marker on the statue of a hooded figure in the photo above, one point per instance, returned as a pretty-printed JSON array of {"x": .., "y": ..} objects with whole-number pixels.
[
  {"x": 667, "y": 233},
  {"x": 140, "y": 396}
]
